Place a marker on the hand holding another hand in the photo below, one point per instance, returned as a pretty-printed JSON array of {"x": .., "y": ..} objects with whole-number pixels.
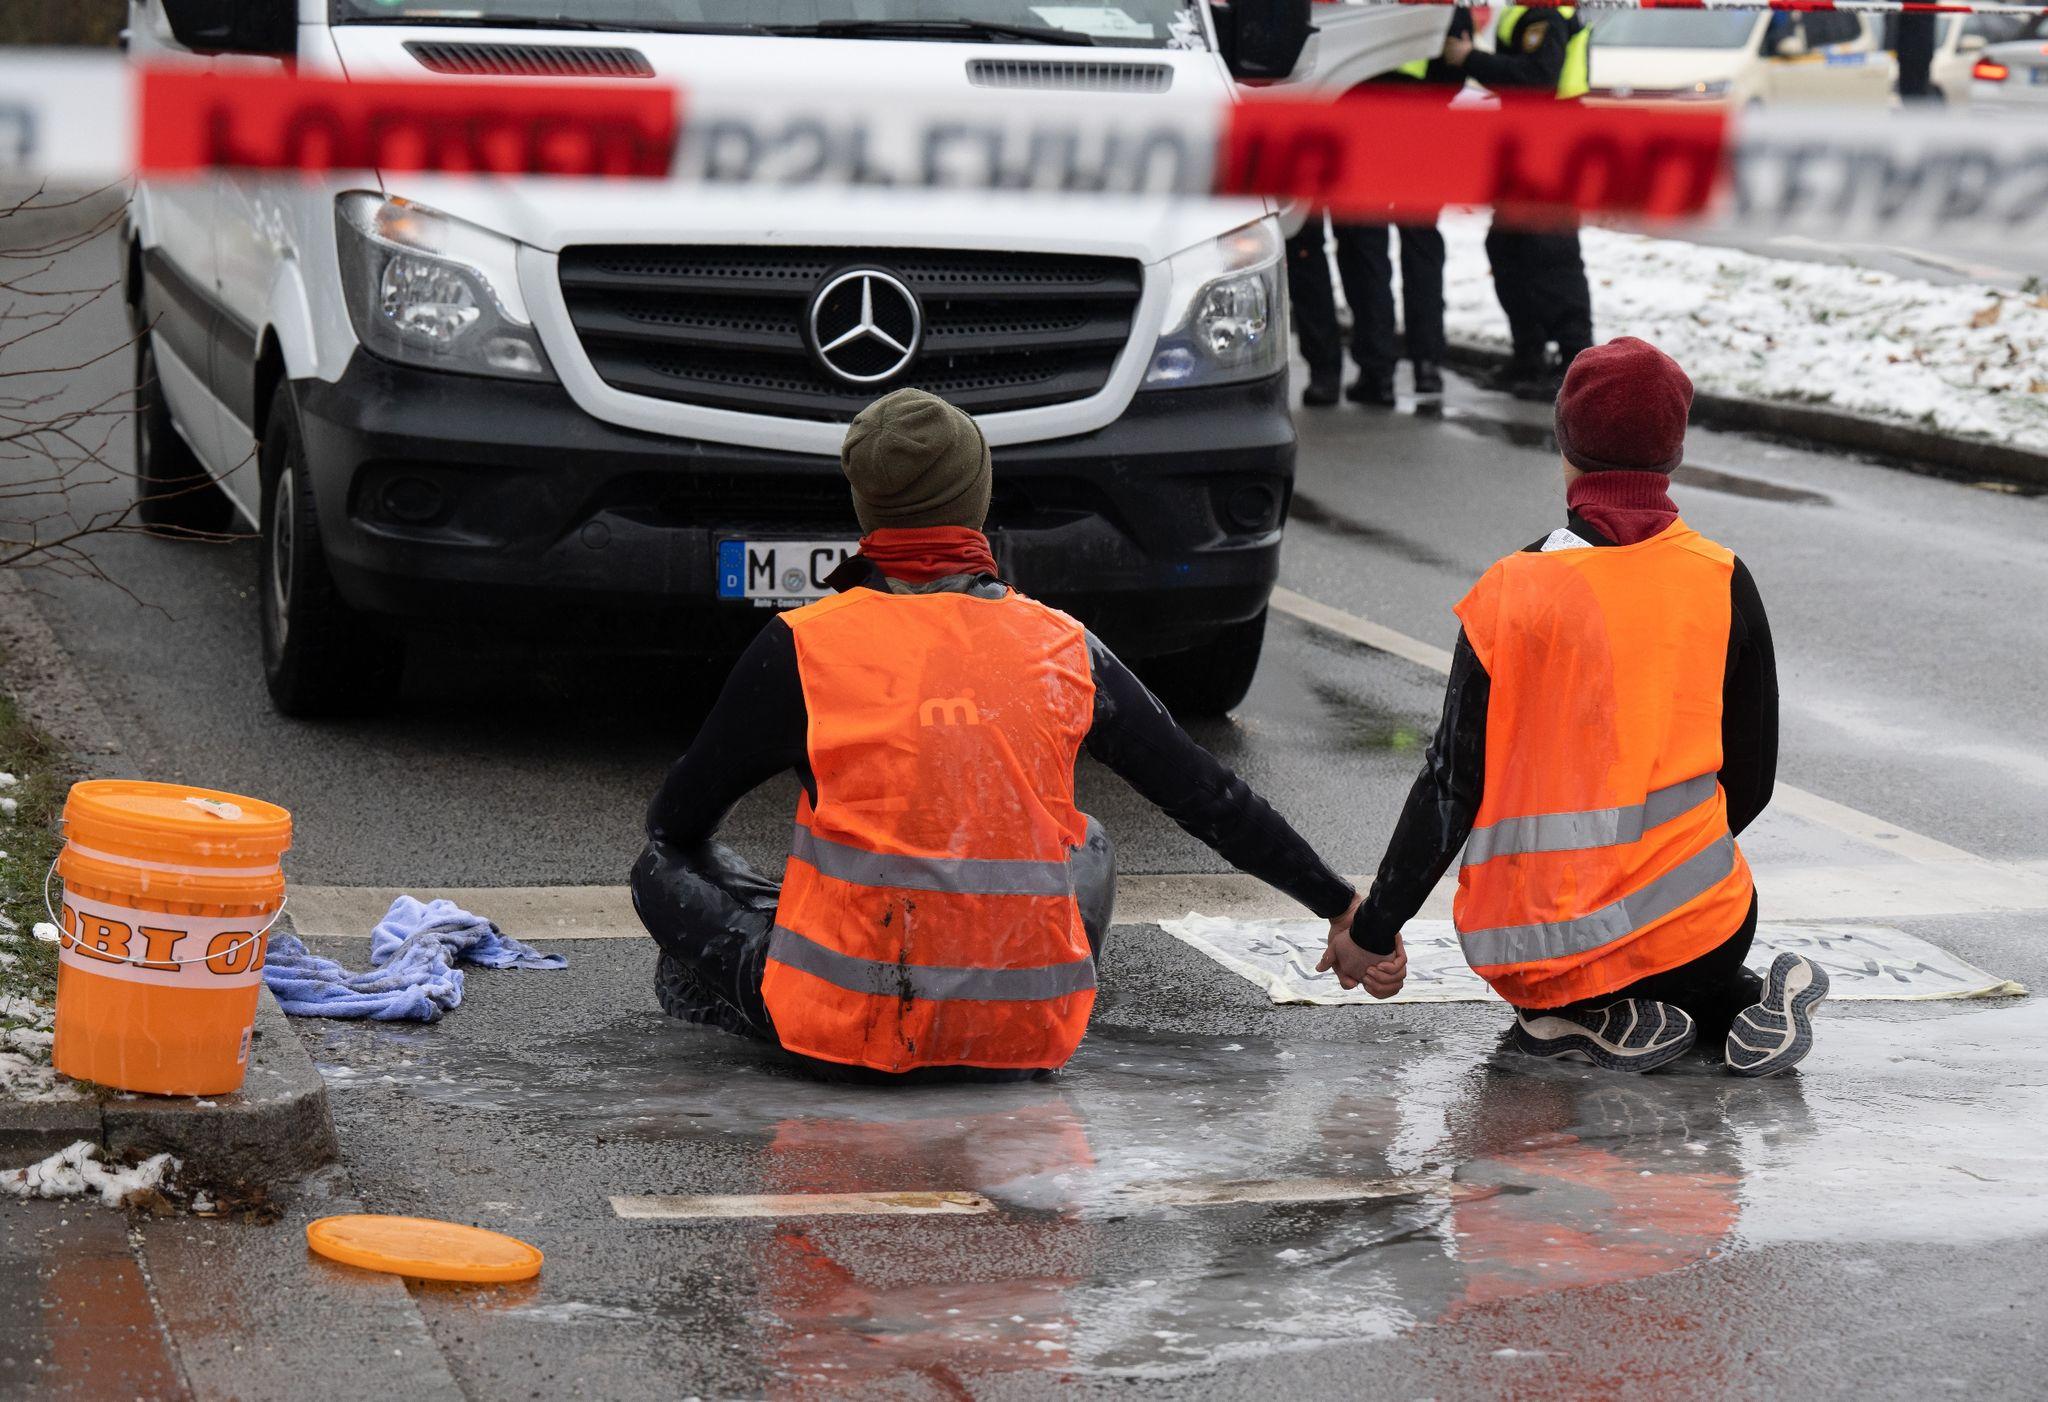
[{"x": 1382, "y": 974}]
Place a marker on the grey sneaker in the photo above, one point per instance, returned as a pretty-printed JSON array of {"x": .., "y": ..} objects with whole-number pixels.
[
  {"x": 1634, "y": 1034},
  {"x": 1777, "y": 1033}
]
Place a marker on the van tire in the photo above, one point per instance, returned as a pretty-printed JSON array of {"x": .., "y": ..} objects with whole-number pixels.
[
  {"x": 1213, "y": 679},
  {"x": 174, "y": 493},
  {"x": 320, "y": 657}
]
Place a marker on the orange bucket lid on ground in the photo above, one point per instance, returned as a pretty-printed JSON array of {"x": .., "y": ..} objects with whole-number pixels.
[
  {"x": 175, "y": 822},
  {"x": 423, "y": 1248}
]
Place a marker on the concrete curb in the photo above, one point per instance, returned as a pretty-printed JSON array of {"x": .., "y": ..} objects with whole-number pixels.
[
  {"x": 1917, "y": 448},
  {"x": 276, "y": 1129}
]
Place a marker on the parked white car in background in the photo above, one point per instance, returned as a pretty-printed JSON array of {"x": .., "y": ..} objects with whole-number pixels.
[
  {"x": 1743, "y": 57},
  {"x": 2011, "y": 72}
]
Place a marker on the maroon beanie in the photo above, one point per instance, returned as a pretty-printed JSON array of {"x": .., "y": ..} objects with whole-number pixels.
[{"x": 1623, "y": 408}]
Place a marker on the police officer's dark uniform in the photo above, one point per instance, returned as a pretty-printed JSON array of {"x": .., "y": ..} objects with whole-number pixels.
[
  {"x": 1368, "y": 273},
  {"x": 1538, "y": 274}
]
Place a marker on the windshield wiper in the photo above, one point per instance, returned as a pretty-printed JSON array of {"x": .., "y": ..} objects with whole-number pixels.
[
  {"x": 579, "y": 25},
  {"x": 985, "y": 30}
]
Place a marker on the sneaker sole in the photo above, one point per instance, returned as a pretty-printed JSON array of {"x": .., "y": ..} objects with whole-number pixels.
[
  {"x": 1780, "y": 1028},
  {"x": 1575, "y": 1043}
]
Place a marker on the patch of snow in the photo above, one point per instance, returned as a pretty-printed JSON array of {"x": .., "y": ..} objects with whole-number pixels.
[
  {"x": 46, "y": 932},
  {"x": 7, "y": 781},
  {"x": 5, "y": 923},
  {"x": 1966, "y": 360},
  {"x": 8, "y": 807},
  {"x": 77, "y": 1172},
  {"x": 31, "y": 1079}
]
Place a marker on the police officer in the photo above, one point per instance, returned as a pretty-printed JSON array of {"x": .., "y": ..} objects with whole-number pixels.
[
  {"x": 1367, "y": 269},
  {"x": 1538, "y": 274}
]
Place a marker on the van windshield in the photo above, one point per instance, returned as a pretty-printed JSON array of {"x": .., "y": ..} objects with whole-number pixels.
[
  {"x": 1116, "y": 23},
  {"x": 1674, "y": 29}
]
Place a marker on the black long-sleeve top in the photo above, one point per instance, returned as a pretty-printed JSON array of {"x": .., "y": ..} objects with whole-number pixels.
[
  {"x": 1526, "y": 67},
  {"x": 758, "y": 726},
  {"x": 1444, "y": 800}
]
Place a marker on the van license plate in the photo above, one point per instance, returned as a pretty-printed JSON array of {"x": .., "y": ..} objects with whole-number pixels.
[{"x": 770, "y": 573}]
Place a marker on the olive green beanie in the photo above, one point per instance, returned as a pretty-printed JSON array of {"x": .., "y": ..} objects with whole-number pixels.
[{"x": 915, "y": 460}]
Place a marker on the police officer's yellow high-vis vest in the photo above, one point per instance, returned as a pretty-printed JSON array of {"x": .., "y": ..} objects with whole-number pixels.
[{"x": 1572, "y": 80}]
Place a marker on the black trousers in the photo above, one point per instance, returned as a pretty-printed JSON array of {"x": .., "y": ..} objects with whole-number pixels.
[
  {"x": 1713, "y": 988},
  {"x": 1364, "y": 263},
  {"x": 1540, "y": 279},
  {"x": 712, "y": 913}
]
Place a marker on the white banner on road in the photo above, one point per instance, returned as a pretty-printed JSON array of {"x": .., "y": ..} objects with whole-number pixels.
[{"x": 1865, "y": 963}]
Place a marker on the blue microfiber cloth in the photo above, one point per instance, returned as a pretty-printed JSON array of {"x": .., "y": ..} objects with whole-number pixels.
[{"x": 413, "y": 953}]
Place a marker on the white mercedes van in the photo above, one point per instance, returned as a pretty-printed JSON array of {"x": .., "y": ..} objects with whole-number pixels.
[{"x": 614, "y": 408}]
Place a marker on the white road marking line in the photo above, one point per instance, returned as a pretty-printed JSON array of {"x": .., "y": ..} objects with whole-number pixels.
[
  {"x": 728, "y": 1206},
  {"x": 1824, "y": 812}
]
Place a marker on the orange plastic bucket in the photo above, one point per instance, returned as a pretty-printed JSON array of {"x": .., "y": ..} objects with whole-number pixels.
[{"x": 169, "y": 895}]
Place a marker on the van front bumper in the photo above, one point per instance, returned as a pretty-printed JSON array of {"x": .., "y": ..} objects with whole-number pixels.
[{"x": 460, "y": 498}]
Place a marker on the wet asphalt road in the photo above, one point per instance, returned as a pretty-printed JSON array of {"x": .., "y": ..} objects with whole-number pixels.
[{"x": 1872, "y": 1225}]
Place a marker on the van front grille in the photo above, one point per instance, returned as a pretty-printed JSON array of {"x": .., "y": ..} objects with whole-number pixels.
[
  {"x": 493, "y": 60},
  {"x": 728, "y": 327},
  {"x": 1063, "y": 75}
]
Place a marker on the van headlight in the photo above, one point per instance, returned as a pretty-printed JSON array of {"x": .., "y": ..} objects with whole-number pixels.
[
  {"x": 428, "y": 290},
  {"x": 1225, "y": 316}
]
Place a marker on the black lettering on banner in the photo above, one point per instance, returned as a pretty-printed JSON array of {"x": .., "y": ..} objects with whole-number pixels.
[
  {"x": 17, "y": 133},
  {"x": 2032, "y": 204},
  {"x": 231, "y": 951},
  {"x": 760, "y": 568},
  {"x": 981, "y": 167},
  {"x": 805, "y": 147},
  {"x": 731, "y": 151},
  {"x": 858, "y": 169},
  {"x": 1794, "y": 191},
  {"x": 1305, "y": 164},
  {"x": 1160, "y": 165},
  {"x": 396, "y": 140},
  {"x": 1897, "y": 188},
  {"x": 1972, "y": 178}
]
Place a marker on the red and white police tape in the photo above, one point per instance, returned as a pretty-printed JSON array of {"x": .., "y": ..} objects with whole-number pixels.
[
  {"x": 1937, "y": 177},
  {"x": 1867, "y": 7}
]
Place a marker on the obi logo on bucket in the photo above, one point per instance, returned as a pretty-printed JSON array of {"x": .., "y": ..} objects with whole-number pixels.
[{"x": 150, "y": 946}]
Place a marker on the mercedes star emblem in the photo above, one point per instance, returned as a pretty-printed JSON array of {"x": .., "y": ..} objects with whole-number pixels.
[{"x": 865, "y": 326}]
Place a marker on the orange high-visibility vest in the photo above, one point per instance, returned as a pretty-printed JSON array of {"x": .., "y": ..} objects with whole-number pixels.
[
  {"x": 928, "y": 915},
  {"x": 1601, "y": 852}
]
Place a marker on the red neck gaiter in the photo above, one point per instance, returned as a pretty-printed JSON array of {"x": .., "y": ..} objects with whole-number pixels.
[
  {"x": 1626, "y": 507},
  {"x": 921, "y": 554}
]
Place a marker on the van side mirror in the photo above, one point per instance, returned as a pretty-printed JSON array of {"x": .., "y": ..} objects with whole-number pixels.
[
  {"x": 235, "y": 26},
  {"x": 1972, "y": 44},
  {"x": 1262, "y": 40},
  {"x": 1789, "y": 45}
]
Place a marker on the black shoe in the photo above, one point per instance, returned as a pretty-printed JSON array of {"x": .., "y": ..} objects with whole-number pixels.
[
  {"x": 1540, "y": 389},
  {"x": 1634, "y": 1034},
  {"x": 1321, "y": 392},
  {"x": 1777, "y": 1033},
  {"x": 684, "y": 997},
  {"x": 1375, "y": 390},
  {"x": 1429, "y": 377}
]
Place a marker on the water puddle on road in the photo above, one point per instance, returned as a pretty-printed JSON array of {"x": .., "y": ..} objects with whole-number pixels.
[{"x": 1172, "y": 1202}]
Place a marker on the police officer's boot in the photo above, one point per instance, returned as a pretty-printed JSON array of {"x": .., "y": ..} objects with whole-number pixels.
[
  {"x": 1321, "y": 390},
  {"x": 1374, "y": 388},
  {"x": 1429, "y": 378}
]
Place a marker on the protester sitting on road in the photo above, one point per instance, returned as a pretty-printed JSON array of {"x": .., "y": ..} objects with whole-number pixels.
[
  {"x": 944, "y": 903},
  {"x": 1610, "y": 725}
]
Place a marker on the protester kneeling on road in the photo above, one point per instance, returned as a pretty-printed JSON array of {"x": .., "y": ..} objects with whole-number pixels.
[
  {"x": 1610, "y": 725},
  {"x": 944, "y": 902}
]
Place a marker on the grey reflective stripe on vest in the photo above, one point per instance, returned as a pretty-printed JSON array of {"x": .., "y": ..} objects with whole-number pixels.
[
  {"x": 967, "y": 876},
  {"x": 937, "y": 982},
  {"x": 1526, "y": 944},
  {"x": 1598, "y": 827}
]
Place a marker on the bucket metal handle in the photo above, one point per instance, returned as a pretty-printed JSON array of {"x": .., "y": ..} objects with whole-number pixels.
[{"x": 56, "y": 920}]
